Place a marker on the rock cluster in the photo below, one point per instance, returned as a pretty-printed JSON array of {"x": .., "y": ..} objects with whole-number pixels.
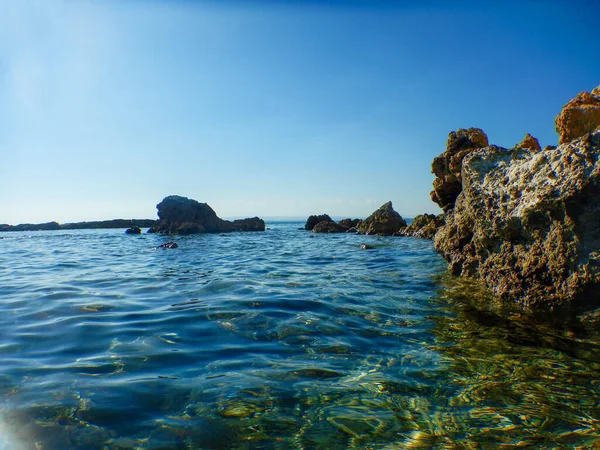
[
  {"x": 527, "y": 221},
  {"x": 325, "y": 224},
  {"x": 180, "y": 215},
  {"x": 384, "y": 222},
  {"x": 423, "y": 226}
]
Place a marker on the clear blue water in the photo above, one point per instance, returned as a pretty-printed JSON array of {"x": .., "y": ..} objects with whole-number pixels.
[{"x": 276, "y": 340}]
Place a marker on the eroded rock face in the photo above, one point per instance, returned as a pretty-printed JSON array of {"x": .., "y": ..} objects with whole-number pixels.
[
  {"x": 315, "y": 219},
  {"x": 447, "y": 166},
  {"x": 527, "y": 222},
  {"x": 181, "y": 215},
  {"x": 423, "y": 226},
  {"x": 579, "y": 117},
  {"x": 384, "y": 221}
]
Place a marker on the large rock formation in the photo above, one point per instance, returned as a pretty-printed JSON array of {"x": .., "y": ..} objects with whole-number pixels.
[
  {"x": 446, "y": 167},
  {"x": 329, "y": 227},
  {"x": 527, "y": 221},
  {"x": 579, "y": 117},
  {"x": 180, "y": 215},
  {"x": 385, "y": 221},
  {"x": 423, "y": 226}
]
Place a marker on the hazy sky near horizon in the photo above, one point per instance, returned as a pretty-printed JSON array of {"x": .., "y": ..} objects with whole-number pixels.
[{"x": 269, "y": 108}]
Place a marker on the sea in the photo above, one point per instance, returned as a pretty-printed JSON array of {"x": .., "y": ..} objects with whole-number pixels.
[{"x": 282, "y": 339}]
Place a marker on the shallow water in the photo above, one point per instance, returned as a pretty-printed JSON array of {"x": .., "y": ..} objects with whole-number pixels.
[{"x": 275, "y": 340}]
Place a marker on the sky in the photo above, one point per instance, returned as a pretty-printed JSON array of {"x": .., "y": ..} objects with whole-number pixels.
[{"x": 269, "y": 108}]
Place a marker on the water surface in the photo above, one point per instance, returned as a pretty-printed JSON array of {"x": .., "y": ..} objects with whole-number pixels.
[{"x": 276, "y": 340}]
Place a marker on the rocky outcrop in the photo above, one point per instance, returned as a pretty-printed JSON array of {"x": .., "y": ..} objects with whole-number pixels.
[
  {"x": 349, "y": 223},
  {"x": 133, "y": 230},
  {"x": 325, "y": 224},
  {"x": 328, "y": 227},
  {"x": 423, "y": 226},
  {"x": 530, "y": 142},
  {"x": 579, "y": 117},
  {"x": 527, "y": 223},
  {"x": 385, "y": 221},
  {"x": 313, "y": 220},
  {"x": 447, "y": 166},
  {"x": 180, "y": 215}
]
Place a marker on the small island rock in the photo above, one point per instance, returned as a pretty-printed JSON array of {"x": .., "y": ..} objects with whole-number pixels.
[
  {"x": 385, "y": 221},
  {"x": 180, "y": 215},
  {"x": 313, "y": 220},
  {"x": 133, "y": 230}
]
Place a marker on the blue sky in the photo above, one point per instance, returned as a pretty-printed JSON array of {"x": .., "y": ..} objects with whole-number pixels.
[{"x": 269, "y": 108}]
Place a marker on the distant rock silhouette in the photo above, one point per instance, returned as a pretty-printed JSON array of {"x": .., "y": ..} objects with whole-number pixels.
[{"x": 133, "y": 230}]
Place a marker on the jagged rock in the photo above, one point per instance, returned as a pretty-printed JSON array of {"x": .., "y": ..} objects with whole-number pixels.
[
  {"x": 328, "y": 227},
  {"x": 527, "y": 224},
  {"x": 423, "y": 226},
  {"x": 446, "y": 167},
  {"x": 180, "y": 215},
  {"x": 384, "y": 221},
  {"x": 579, "y": 117},
  {"x": 530, "y": 142},
  {"x": 133, "y": 230},
  {"x": 313, "y": 220}
]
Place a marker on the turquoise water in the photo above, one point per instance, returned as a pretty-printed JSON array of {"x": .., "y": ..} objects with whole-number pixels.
[{"x": 276, "y": 340}]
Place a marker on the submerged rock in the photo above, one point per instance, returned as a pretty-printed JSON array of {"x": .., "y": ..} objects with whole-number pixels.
[
  {"x": 169, "y": 245},
  {"x": 180, "y": 215},
  {"x": 579, "y": 117},
  {"x": 423, "y": 226},
  {"x": 384, "y": 221},
  {"x": 527, "y": 223},
  {"x": 313, "y": 220},
  {"x": 447, "y": 166}
]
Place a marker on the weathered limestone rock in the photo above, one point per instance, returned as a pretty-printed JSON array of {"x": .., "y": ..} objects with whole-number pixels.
[
  {"x": 579, "y": 117},
  {"x": 385, "y": 221},
  {"x": 423, "y": 226},
  {"x": 527, "y": 223},
  {"x": 313, "y": 220},
  {"x": 530, "y": 142},
  {"x": 447, "y": 166},
  {"x": 180, "y": 215}
]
